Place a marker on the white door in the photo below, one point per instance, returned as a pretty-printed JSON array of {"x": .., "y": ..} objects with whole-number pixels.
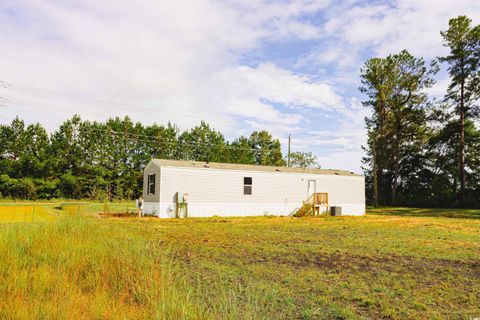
[{"x": 312, "y": 186}]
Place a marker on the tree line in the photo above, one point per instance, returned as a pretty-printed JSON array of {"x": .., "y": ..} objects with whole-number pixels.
[
  {"x": 104, "y": 160},
  {"x": 422, "y": 151}
]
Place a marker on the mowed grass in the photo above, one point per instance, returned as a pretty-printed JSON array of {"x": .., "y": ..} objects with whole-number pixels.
[
  {"x": 394, "y": 263},
  {"x": 427, "y": 212}
]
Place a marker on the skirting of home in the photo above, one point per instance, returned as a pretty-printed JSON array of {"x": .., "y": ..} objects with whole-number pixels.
[{"x": 168, "y": 210}]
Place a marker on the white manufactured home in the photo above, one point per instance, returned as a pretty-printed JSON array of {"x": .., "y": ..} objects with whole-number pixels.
[{"x": 175, "y": 188}]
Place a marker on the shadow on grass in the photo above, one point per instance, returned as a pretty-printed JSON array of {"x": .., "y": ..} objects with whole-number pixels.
[{"x": 425, "y": 212}]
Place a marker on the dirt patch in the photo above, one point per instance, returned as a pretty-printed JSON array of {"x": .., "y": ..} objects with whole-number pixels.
[
  {"x": 116, "y": 215},
  {"x": 345, "y": 263},
  {"x": 340, "y": 262}
]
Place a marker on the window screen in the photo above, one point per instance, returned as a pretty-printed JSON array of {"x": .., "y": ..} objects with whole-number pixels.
[
  {"x": 151, "y": 184},
  {"x": 247, "y": 185}
]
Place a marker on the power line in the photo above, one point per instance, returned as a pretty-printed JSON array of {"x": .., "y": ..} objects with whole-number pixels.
[
  {"x": 87, "y": 99},
  {"x": 146, "y": 138},
  {"x": 135, "y": 137},
  {"x": 5, "y": 84},
  {"x": 3, "y": 101},
  {"x": 28, "y": 89}
]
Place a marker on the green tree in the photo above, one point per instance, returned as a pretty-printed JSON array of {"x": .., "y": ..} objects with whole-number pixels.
[
  {"x": 377, "y": 84},
  {"x": 444, "y": 149},
  {"x": 12, "y": 146},
  {"x": 407, "y": 119},
  {"x": 126, "y": 150},
  {"x": 201, "y": 143},
  {"x": 395, "y": 87},
  {"x": 66, "y": 152},
  {"x": 463, "y": 40},
  {"x": 161, "y": 142},
  {"x": 240, "y": 151},
  {"x": 303, "y": 160},
  {"x": 23, "y": 150},
  {"x": 105, "y": 160},
  {"x": 34, "y": 157},
  {"x": 267, "y": 151}
]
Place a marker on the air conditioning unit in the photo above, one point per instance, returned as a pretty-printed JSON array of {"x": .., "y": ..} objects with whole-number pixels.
[{"x": 336, "y": 211}]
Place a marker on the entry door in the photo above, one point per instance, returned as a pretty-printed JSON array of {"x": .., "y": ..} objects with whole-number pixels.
[{"x": 312, "y": 186}]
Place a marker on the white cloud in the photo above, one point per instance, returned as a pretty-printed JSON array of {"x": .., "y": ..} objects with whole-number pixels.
[
  {"x": 340, "y": 147},
  {"x": 277, "y": 85},
  {"x": 402, "y": 24},
  {"x": 181, "y": 60},
  {"x": 168, "y": 59},
  {"x": 353, "y": 33}
]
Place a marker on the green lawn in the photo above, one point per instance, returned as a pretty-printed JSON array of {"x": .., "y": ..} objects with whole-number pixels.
[
  {"x": 427, "y": 212},
  {"x": 394, "y": 263}
]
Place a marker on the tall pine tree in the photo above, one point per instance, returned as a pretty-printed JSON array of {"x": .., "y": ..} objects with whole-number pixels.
[{"x": 463, "y": 61}]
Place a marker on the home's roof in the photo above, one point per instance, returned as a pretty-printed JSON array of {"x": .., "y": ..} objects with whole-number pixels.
[{"x": 246, "y": 167}]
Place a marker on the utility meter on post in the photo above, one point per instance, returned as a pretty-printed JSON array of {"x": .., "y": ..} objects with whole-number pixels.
[
  {"x": 139, "y": 205},
  {"x": 182, "y": 205}
]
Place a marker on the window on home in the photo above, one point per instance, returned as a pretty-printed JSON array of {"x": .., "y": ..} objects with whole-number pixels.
[
  {"x": 247, "y": 185},
  {"x": 151, "y": 184}
]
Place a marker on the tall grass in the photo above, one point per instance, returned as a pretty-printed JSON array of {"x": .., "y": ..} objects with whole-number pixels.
[{"x": 77, "y": 268}]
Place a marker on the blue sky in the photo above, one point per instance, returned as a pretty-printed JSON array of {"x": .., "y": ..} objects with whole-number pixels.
[{"x": 290, "y": 67}]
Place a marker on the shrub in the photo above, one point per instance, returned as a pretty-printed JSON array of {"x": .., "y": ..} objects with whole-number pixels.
[{"x": 304, "y": 210}]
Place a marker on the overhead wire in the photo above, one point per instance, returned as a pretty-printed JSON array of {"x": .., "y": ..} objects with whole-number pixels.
[
  {"x": 176, "y": 143},
  {"x": 79, "y": 98},
  {"x": 148, "y": 138},
  {"x": 28, "y": 89},
  {"x": 35, "y": 90}
]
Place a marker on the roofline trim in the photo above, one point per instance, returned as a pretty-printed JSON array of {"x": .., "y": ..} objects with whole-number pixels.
[
  {"x": 264, "y": 171},
  {"x": 247, "y": 167}
]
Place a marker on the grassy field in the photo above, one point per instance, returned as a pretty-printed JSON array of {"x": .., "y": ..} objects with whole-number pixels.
[
  {"x": 394, "y": 263},
  {"x": 33, "y": 212}
]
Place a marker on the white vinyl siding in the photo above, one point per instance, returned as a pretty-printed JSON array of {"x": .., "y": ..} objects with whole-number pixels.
[
  {"x": 221, "y": 187},
  {"x": 221, "y": 191}
]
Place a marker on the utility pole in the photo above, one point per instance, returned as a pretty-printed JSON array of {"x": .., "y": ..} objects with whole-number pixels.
[{"x": 288, "y": 155}]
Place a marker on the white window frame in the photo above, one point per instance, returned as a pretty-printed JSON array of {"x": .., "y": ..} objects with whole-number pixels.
[{"x": 151, "y": 184}]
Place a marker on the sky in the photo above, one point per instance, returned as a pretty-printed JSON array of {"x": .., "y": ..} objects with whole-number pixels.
[{"x": 289, "y": 67}]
